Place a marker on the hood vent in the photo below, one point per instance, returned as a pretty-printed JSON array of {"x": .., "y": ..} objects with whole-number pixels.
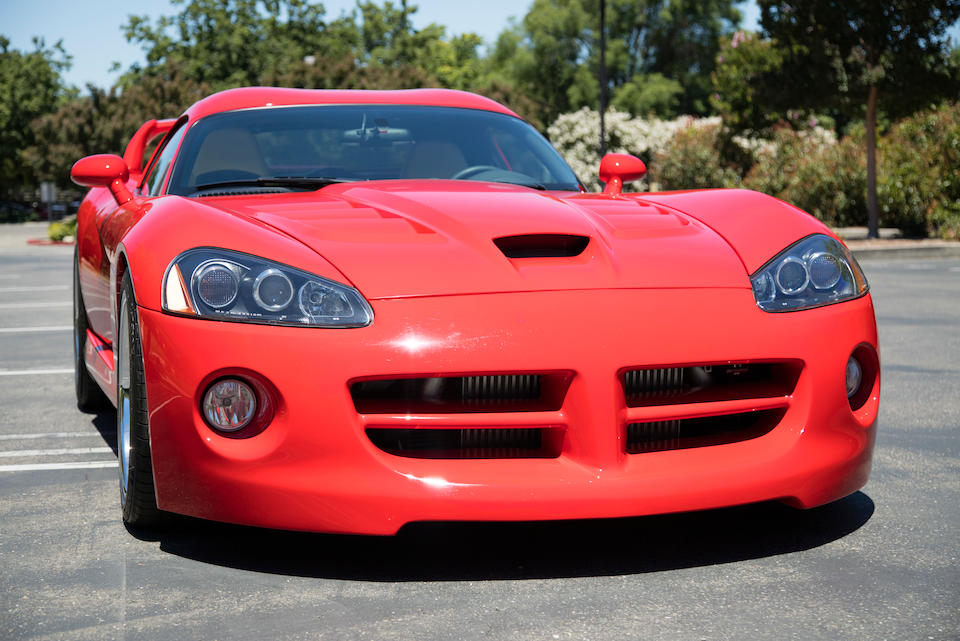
[
  {"x": 542, "y": 245},
  {"x": 242, "y": 191}
]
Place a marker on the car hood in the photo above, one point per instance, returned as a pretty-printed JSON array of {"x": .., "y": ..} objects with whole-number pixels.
[{"x": 430, "y": 238}]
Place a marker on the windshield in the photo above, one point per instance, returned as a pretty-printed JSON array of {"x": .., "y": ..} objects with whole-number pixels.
[{"x": 307, "y": 147}]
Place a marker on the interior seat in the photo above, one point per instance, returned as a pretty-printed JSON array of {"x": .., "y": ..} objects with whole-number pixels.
[{"x": 434, "y": 159}]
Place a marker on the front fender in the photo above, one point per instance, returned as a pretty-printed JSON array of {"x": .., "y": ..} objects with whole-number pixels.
[
  {"x": 170, "y": 225},
  {"x": 756, "y": 225}
]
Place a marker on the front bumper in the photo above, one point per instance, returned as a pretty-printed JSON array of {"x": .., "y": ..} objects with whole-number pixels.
[{"x": 314, "y": 468}]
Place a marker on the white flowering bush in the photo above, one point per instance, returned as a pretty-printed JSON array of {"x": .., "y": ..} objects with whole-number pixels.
[{"x": 577, "y": 137}]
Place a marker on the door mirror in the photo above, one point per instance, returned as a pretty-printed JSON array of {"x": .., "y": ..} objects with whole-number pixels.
[
  {"x": 103, "y": 170},
  {"x": 616, "y": 169}
]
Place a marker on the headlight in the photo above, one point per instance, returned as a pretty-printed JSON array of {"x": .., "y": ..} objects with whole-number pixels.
[
  {"x": 231, "y": 286},
  {"x": 812, "y": 272}
]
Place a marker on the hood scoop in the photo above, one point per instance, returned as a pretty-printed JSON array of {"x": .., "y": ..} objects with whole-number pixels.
[{"x": 542, "y": 245}]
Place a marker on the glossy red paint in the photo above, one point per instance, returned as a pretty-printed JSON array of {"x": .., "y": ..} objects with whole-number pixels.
[
  {"x": 103, "y": 170},
  {"x": 314, "y": 468},
  {"x": 617, "y": 169},
  {"x": 133, "y": 155},
  {"x": 663, "y": 282},
  {"x": 253, "y": 97}
]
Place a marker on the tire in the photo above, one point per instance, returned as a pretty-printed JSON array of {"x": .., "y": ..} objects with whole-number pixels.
[
  {"x": 90, "y": 398},
  {"x": 137, "y": 496}
]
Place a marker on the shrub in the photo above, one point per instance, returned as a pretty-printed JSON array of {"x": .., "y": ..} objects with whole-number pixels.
[
  {"x": 577, "y": 135},
  {"x": 692, "y": 161},
  {"x": 63, "y": 230},
  {"x": 810, "y": 169},
  {"x": 918, "y": 184}
]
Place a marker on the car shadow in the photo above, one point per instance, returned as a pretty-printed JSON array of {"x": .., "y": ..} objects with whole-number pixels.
[
  {"x": 524, "y": 550},
  {"x": 106, "y": 424}
]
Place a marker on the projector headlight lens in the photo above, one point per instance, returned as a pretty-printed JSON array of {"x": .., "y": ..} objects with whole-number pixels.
[{"x": 815, "y": 271}]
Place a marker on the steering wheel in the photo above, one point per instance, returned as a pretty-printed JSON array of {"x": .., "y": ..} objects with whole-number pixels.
[{"x": 470, "y": 172}]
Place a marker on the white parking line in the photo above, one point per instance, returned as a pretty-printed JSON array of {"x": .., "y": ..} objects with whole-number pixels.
[
  {"x": 37, "y": 288},
  {"x": 17, "y": 437},
  {"x": 34, "y": 372},
  {"x": 80, "y": 465},
  {"x": 65, "y": 303},
  {"x": 28, "y": 330},
  {"x": 58, "y": 452}
]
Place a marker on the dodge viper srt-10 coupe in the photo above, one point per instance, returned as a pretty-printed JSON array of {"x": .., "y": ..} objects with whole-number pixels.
[{"x": 346, "y": 311}]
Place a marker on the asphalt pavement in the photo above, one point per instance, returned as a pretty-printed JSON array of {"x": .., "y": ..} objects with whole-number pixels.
[{"x": 880, "y": 564}]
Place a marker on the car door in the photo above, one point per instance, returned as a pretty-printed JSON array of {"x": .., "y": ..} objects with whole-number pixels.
[{"x": 98, "y": 255}]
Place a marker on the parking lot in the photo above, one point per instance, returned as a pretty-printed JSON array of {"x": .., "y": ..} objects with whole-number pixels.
[{"x": 880, "y": 564}]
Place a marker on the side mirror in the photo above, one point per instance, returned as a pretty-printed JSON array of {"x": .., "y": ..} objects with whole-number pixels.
[
  {"x": 616, "y": 169},
  {"x": 103, "y": 170}
]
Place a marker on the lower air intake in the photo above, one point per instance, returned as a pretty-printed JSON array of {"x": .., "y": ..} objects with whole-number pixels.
[
  {"x": 452, "y": 394},
  {"x": 679, "y": 434},
  {"x": 468, "y": 443}
]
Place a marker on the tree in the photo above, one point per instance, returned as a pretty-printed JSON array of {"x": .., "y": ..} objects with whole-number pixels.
[
  {"x": 104, "y": 120},
  {"x": 659, "y": 53},
  {"x": 30, "y": 86},
  {"x": 228, "y": 43},
  {"x": 860, "y": 57}
]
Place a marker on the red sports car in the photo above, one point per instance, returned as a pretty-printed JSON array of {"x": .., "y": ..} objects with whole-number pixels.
[{"x": 345, "y": 311}]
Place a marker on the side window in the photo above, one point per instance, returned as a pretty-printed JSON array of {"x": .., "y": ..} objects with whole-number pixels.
[{"x": 161, "y": 165}]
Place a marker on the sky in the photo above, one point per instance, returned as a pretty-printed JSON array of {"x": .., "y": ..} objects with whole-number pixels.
[{"x": 91, "y": 29}]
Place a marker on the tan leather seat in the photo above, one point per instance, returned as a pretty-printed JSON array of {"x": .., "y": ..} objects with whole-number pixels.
[
  {"x": 434, "y": 159},
  {"x": 229, "y": 150}
]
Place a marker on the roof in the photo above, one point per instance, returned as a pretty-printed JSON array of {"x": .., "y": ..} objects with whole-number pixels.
[{"x": 252, "y": 97}]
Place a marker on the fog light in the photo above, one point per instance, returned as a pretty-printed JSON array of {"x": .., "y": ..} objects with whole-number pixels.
[
  {"x": 854, "y": 376},
  {"x": 229, "y": 405}
]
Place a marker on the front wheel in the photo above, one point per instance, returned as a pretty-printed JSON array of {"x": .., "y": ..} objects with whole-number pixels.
[{"x": 137, "y": 497}]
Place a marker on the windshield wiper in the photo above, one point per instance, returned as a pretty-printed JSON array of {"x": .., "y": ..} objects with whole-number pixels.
[{"x": 307, "y": 182}]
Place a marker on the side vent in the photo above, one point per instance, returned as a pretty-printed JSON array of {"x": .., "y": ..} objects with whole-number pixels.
[{"x": 542, "y": 245}]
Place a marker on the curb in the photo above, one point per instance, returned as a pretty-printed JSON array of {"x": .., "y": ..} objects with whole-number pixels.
[
  {"x": 44, "y": 241},
  {"x": 916, "y": 249}
]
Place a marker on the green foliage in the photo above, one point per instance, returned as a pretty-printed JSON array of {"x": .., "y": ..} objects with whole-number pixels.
[
  {"x": 746, "y": 65},
  {"x": 919, "y": 179},
  {"x": 659, "y": 54},
  {"x": 227, "y": 43},
  {"x": 692, "y": 160},
  {"x": 814, "y": 172},
  {"x": 834, "y": 51},
  {"x": 103, "y": 121},
  {"x": 649, "y": 94},
  {"x": 63, "y": 230},
  {"x": 30, "y": 86}
]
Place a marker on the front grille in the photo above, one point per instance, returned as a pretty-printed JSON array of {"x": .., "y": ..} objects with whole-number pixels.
[
  {"x": 468, "y": 443},
  {"x": 679, "y": 434},
  {"x": 453, "y": 394},
  {"x": 708, "y": 382}
]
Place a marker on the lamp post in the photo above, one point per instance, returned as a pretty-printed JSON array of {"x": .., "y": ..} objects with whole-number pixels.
[{"x": 603, "y": 76}]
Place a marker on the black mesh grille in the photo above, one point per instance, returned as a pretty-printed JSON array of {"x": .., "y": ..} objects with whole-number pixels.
[
  {"x": 451, "y": 394},
  {"x": 467, "y": 443},
  {"x": 710, "y": 382},
  {"x": 678, "y": 434}
]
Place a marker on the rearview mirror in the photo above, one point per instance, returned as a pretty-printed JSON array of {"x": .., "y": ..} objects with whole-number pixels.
[
  {"x": 103, "y": 170},
  {"x": 616, "y": 169}
]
